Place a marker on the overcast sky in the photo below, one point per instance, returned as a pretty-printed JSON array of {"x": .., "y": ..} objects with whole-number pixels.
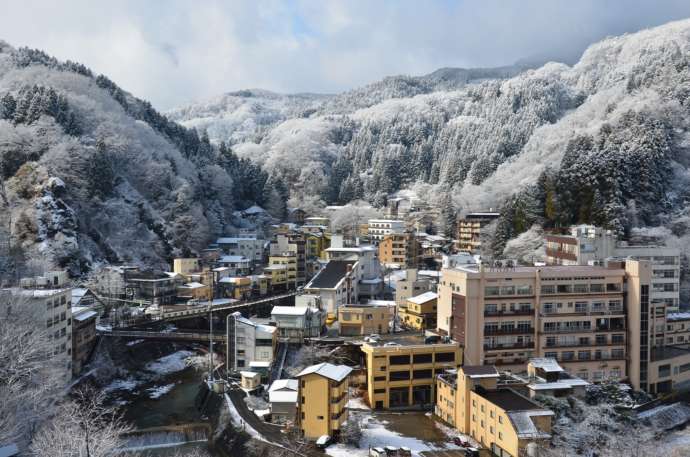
[{"x": 174, "y": 52}]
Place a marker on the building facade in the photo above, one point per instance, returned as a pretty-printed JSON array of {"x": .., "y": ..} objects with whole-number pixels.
[
  {"x": 378, "y": 228},
  {"x": 577, "y": 315},
  {"x": 495, "y": 416},
  {"x": 364, "y": 319},
  {"x": 400, "y": 249},
  {"x": 470, "y": 230},
  {"x": 47, "y": 301},
  {"x": 403, "y": 375},
  {"x": 323, "y": 397},
  {"x": 296, "y": 323},
  {"x": 248, "y": 342},
  {"x": 419, "y": 312},
  {"x": 587, "y": 244},
  {"x": 83, "y": 337},
  {"x": 246, "y": 246}
]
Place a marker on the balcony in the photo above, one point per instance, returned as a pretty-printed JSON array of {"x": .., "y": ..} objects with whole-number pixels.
[
  {"x": 569, "y": 330},
  {"x": 517, "y": 312},
  {"x": 508, "y": 331},
  {"x": 549, "y": 312},
  {"x": 494, "y": 347}
]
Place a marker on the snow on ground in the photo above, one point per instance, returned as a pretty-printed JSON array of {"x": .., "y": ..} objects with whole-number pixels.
[
  {"x": 262, "y": 412},
  {"x": 157, "y": 392},
  {"x": 134, "y": 342},
  {"x": 357, "y": 403},
  {"x": 128, "y": 384},
  {"x": 239, "y": 422},
  {"x": 375, "y": 434},
  {"x": 170, "y": 363}
]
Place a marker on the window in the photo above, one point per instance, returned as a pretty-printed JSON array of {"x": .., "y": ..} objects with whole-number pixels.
[
  {"x": 491, "y": 430},
  {"x": 445, "y": 357},
  {"x": 398, "y": 375},
  {"x": 422, "y": 374},
  {"x": 422, "y": 358},
  {"x": 548, "y": 290},
  {"x": 399, "y": 360},
  {"x": 524, "y": 290},
  {"x": 508, "y": 290},
  {"x": 500, "y": 435},
  {"x": 319, "y": 418},
  {"x": 596, "y": 288},
  {"x": 379, "y": 391},
  {"x": 491, "y": 291},
  {"x": 500, "y": 421},
  {"x": 580, "y": 288},
  {"x": 379, "y": 378}
]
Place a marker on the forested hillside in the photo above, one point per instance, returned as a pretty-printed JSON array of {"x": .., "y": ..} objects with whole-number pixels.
[
  {"x": 91, "y": 174},
  {"x": 604, "y": 141}
]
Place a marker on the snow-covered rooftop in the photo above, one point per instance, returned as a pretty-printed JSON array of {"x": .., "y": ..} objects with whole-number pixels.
[
  {"x": 289, "y": 310},
  {"x": 249, "y": 374},
  {"x": 547, "y": 364},
  {"x": 280, "y": 384},
  {"x": 327, "y": 370},
  {"x": 524, "y": 425},
  {"x": 81, "y": 317},
  {"x": 679, "y": 316},
  {"x": 282, "y": 396},
  {"x": 423, "y": 298},
  {"x": 233, "y": 259}
]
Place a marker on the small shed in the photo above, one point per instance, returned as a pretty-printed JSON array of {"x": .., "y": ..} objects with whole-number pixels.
[{"x": 250, "y": 380}]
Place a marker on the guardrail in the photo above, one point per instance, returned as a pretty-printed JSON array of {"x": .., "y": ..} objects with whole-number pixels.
[{"x": 144, "y": 335}]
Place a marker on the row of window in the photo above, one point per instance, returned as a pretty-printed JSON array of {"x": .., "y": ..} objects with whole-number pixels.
[{"x": 599, "y": 354}]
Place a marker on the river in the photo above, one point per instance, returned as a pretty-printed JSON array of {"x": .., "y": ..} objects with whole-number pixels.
[{"x": 155, "y": 389}]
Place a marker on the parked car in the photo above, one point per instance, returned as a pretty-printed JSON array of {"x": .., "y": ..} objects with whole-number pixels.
[
  {"x": 459, "y": 441},
  {"x": 323, "y": 442}
]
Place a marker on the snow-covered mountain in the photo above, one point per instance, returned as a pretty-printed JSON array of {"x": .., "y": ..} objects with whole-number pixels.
[
  {"x": 605, "y": 140},
  {"x": 91, "y": 174}
]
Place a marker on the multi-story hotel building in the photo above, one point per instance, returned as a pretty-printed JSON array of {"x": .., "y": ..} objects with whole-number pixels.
[
  {"x": 323, "y": 397},
  {"x": 379, "y": 228},
  {"x": 400, "y": 249},
  {"x": 47, "y": 299},
  {"x": 590, "y": 245},
  {"x": 595, "y": 321},
  {"x": 470, "y": 230},
  {"x": 499, "y": 418},
  {"x": 401, "y": 373}
]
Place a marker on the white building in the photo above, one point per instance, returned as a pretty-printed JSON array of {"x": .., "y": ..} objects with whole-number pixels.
[
  {"x": 237, "y": 265},
  {"x": 366, "y": 267},
  {"x": 379, "y": 228},
  {"x": 282, "y": 397},
  {"x": 296, "y": 323},
  {"x": 590, "y": 245},
  {"x": 248, "y": 342},
  {"x": 50, "y": 297},
  {"x": 249, "y": 247}
]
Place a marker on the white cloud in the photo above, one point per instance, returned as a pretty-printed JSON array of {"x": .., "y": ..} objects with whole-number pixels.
[{"x": 178, "y": 51}]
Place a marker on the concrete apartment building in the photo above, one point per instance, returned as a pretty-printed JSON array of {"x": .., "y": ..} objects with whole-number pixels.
[
  {"x": 323, "y": 396},
  {"x": 248, "y": 342},
  {"x": 367, "y": 269},
  {"x": 292, "y": 245},
  {"x": 470, "y": 230},
  {"x": 403, "y": 375},
  {"x": 499, "y": 418},
  {"x": 48, "y": 301},
  {"x": 282, "y": 399},
  {"x": 419, "y": 312},
  {"x": 400, "y": 250},
  {"x": 364, "y": 319},
  {"x": 578, "y": 315},
  {"x": 378, "y": 228},
  {"x": 237, "y": 265},
  {"x": 247, "y": 246},
  {"x": 295, "y": 323},
  {"x": 336, "y": 284},
  {"x": 587, "y": 245},
  {"x": 412, "y": 284},
  {"x": 83, "y": 337}
]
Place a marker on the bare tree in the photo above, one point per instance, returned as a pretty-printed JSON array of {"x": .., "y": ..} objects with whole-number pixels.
[
  {"x": 81, "y": 427},
  {"x": 28, "y": 381}
]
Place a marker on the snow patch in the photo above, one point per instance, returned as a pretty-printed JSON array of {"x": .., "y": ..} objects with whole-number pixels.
[
  {"x": 158, "y": 391},
  {"x": 170, "y": 363}
]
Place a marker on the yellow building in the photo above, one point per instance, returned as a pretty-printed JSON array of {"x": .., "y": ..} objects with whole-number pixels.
[
  {"x": 364, "y": 319},
  {"x": 400, "y": 249},
  {"x": 497, "y": 417},
  {"x": 401, "y": 374},
  {"x": 322, "y": 396},
  {"x": 419, "y": 312},
  {"x": 282, "y": 268},
  {"x": 185, "y": 266},
  {"x": 236, "y": 287}
]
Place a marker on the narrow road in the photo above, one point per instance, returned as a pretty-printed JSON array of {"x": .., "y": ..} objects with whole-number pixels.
[{"x": 269, "y": 431}]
